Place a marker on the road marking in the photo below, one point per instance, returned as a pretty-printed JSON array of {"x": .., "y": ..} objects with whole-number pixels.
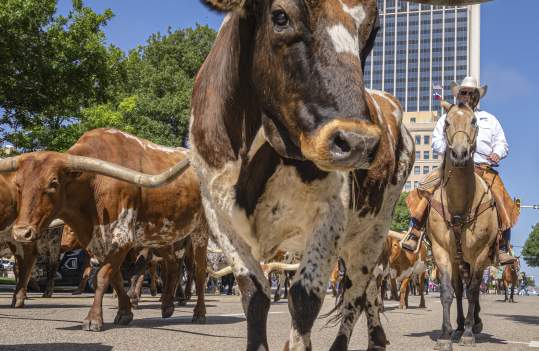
[{"x": 534, "y": 344}]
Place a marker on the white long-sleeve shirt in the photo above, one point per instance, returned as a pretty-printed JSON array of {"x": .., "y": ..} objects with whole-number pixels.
[{"x": 490, "y": 138}]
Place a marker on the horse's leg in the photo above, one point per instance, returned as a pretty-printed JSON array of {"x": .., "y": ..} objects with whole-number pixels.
[
  {"x": 446, "y": 298},
  {"x": 472, "y": 293},
  {"x": 422, "y": 289},
  {"x": 505, "y": 286},
  {"x": 512, "y": 292},
  {"x": 458, "y": 288},
  {"x": 478, "y": 326}
]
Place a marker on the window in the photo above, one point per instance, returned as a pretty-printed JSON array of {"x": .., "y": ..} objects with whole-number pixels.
[
  {"x": 426, "y": 139},
  {"x": 408, "y": 186},
  {"x": 425, "y": 169},
  {"x": 417, "y": 170},
  {"x": 434, "y": 155},
  {"x": 418, "y": 139},
  {"x": 434, "y": 167},
  {"x": 426, "y": 155},
  {"x": 416, "y": 184},
  {"x": 412, "y": 120},
  {"x": 417, "y": 155}
]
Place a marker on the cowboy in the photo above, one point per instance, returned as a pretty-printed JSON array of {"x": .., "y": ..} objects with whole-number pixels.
[{"x": 491, "y": 148}]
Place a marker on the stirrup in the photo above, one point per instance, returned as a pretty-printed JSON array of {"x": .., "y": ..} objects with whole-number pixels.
[{"x": 407, "y": 236}]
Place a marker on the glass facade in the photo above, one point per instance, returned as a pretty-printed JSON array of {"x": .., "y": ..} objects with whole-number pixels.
[{"x": 418, "y": 48}]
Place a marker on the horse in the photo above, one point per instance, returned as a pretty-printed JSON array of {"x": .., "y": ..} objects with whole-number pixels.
[
  {"x": 510, "y": 277},
  {"x": 463, "y": 226}
]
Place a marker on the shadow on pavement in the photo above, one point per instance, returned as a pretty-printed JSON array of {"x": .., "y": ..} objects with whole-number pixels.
[
  {"x": 479, "y": 338},
  {"x": 29, "y": 305},
  {"x": 56, "y": 347},
  {"x": 5, "y": 316},
  {"x": 518, "y": 318}
]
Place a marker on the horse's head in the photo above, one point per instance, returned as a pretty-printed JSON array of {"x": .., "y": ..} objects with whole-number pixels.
[{"x": 460, "y": 131}]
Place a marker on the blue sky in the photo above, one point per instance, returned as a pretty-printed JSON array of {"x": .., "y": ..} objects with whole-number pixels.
[{"x": 509, "y": 65}]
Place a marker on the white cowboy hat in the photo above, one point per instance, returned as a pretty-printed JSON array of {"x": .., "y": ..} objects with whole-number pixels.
[{"x": 468, "y": 82}]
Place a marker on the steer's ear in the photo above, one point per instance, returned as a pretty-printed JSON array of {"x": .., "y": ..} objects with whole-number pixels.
[
  {"x": 450, "y": 2},
  {"x": 224, "y": 5}
]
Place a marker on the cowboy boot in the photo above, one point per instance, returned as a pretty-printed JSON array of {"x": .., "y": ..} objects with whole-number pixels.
[
  {"x": 413, "y": 240},
  {"x": 504, "y": 257},
  {"x": 414, "y": 233}
]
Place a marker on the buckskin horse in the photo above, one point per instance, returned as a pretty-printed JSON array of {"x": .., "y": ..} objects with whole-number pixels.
[
  {"x": 510, "y": 277},
  {"x": 463, "y": 226}
]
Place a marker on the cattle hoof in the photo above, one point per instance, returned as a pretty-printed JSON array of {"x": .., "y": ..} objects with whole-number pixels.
[
  {"x": 17, "y": 303},
  {"x": 467, "y": 341},
  {"x": 276, "y": 298},
  {"x": 167, "y": 311},
  {"x": 123, "y": 318},
  {"x": 444, "y": 345},
  {"x": 477, "y": 328},
  {"x": 153, "y": 292},
  {"x": 422, "y": 305},
  {"x": 92, "y": 325},
  {"x": 198, "y": 319}
]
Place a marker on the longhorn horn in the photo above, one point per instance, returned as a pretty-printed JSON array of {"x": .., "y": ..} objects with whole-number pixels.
[
  {"x": 280, "y": 266},
  {"x": 395, "y": 235},
  {"x": 220, "y": 273},
  {"x": 450, "y": 2},
  {"x": 9, "y": 164},
  {"x": 87, "y": 164}
]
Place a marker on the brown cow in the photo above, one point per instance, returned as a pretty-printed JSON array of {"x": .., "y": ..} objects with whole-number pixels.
[
  {"x": 110, "y": 215},
  {"x": 402, "y": 265},
  {"x": 25, "y": 255}
]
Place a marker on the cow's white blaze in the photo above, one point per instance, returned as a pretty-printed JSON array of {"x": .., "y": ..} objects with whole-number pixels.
[
  {"x": 343, "y": 40},
  {"x": 356, "y": 12}
]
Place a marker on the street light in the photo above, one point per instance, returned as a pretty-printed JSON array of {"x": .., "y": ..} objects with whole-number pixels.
[{"x": 519, "y": 205}]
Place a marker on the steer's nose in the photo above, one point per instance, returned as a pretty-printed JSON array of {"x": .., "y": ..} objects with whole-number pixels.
[
  {"x": 351, "y": 149},
  {"x": 24, "y": 233}
]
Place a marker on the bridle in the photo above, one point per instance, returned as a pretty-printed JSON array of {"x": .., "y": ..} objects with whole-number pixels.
[{"x": 449, "y": 141}]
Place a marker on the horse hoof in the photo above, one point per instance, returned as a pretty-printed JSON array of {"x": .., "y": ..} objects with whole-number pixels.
[
  {"x": 477, "y": 328},
  {"x": 276, "y": 298},
  {"x": 123, "y": 318},
  {"x": 167, "y": 311},
  {"x": 455, "y": 336},
  {"x": 444, "y": 345},
  {"x": 467, "y": 341},
  {"x": 92, "y": 325}
]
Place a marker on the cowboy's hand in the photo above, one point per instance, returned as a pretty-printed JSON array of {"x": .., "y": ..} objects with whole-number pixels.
[{"x": 494, "y": 158}]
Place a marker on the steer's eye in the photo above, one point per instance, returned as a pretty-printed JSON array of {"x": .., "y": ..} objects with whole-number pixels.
[
  {"x": 474, "y": 121},
  {"x": 279, "y": 18}
]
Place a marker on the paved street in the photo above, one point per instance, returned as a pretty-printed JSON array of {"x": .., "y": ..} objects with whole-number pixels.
[{"x": 54, "y": 324}]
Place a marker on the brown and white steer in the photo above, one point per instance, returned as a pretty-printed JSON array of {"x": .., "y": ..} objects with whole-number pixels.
[
  {"x": 25, "y": 255},
  {"x": 403, "y": 264},
  {"x": 110, "y": 215},
  {"x": 295, "y": 155}
]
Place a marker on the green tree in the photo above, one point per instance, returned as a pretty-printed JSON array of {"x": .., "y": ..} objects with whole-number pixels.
[
  {"x": 530, "y": 252},
  {"x": 161, "y": 75},
  {"x": 401, "y": 215},
  {"x": 51, "y": 67}
]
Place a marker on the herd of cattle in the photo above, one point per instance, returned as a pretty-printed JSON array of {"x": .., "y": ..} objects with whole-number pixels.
[{"x": 288, "y": 153}]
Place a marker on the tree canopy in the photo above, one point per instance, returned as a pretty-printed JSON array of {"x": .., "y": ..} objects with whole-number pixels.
[
  {"x": 401, "y": 215},
  {"x": 530, "y": 252},
  {"x": 60, "y": 79}
]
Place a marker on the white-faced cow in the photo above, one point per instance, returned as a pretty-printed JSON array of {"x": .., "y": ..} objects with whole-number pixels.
[
  {"x": 110, "y": 215},
  {"x": 295, "y": 155}
]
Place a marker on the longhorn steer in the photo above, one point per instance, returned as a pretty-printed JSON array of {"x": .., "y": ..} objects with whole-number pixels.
[
  {"x": 25, "y": 255},
  {"x": 110, "y": 215},
  {"x": 295, "y": 155}
]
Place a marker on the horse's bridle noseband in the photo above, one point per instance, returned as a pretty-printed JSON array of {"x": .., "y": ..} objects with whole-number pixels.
[{"x": 471, "y": 140}]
